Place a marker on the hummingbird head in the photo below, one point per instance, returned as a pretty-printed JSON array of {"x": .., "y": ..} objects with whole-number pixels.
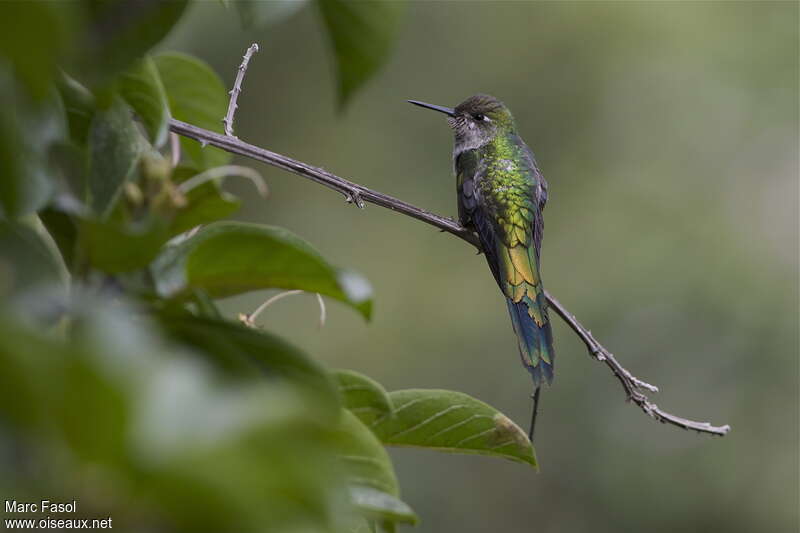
[{"x": 476, "y": 120}]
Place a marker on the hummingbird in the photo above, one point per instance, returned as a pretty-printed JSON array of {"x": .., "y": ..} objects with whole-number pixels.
[{"x": 501, "y": 196}]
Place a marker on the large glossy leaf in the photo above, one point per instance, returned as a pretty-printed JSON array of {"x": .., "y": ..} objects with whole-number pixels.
[
  {"x": 363, "y": 396},
  {"x": 140, "y": 85},
  {"x": 454, "y": 422},
  {"x": 114, "y": 149},
  {"x": 196, "y": 95},
  {"x": 362, "y": 34},
  {"x": 245, "y": 351},
  {"x": 119, "y": 33},
  {"x": 227, "y": 258}
]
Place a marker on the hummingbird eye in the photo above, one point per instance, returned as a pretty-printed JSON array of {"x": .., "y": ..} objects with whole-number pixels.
[{"x": 479, "y": 116}]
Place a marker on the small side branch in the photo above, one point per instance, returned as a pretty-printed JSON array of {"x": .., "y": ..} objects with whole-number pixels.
[
  {"x": 237, "y": 88},
  {"x": 359, "y": 194},
  {"x": 633, "y": 386}
]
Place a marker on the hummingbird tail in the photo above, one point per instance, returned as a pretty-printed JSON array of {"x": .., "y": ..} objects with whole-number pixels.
[{"x": 535, "y": 341}]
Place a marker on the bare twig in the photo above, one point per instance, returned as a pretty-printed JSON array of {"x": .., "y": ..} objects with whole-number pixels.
[
  {"x": 359, "y": 194},
  {"x": 237, "y": 88},
  {"x": 632, "y": 385}
]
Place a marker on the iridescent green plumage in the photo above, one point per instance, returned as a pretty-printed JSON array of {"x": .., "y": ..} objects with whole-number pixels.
[{"x": 501, "y": 195}]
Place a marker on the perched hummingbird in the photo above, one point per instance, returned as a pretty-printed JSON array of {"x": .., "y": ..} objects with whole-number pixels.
[{"x": 501, "y": 195}]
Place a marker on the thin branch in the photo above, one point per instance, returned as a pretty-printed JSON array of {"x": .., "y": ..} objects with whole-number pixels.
[
  {"x": 632, "y": 385},
  {"x": 353, "y": 192},
  {"x": 359, "y": 194},
  {"x": 237, "y": 88}
]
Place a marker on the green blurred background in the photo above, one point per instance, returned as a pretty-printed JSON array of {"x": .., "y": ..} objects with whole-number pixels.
[{"x": 669, "y": 135}]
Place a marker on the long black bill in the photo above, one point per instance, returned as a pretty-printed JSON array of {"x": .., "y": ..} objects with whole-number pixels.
[{"x": 441, "y": 109}]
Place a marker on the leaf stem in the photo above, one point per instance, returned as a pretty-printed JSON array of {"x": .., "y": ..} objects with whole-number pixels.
[{"x": 222, "y": 172}]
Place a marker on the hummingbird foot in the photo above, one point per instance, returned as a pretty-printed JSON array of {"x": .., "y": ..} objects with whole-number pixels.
[{"x": 450, "y": 219}]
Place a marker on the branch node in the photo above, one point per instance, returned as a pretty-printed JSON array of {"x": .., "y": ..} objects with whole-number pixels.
[{"x": 352, "y": 196}]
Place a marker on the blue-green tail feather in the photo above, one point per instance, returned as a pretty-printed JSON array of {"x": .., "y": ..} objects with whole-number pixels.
[{"x": 535, "y": 342}]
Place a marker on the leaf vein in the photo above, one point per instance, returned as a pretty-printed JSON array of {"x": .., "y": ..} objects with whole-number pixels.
[
  {"x": 428, "y": 420},
  {"x": 477, "y": 435}
]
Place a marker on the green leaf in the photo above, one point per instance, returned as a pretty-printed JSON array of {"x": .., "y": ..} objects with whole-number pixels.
[
  {"x": 366, "y": 461},
  {"x": 205, "y": 203},
  {"x": 140, "y": 85},
  {"x": 28, "y": 131},
  {"x": 34, "y": 37},
  {"x": 114, "y": 149},
  {"x": 363, "y": 396},
  {"x": 27, "y": 259},
  {"x": 373, "y": 484},
  {"x": 227, "y": 258},
  {"x": 205, "y": 306},
  {"x": 453, "y": 422},
  {"x": 362, "y": 34},
  {"x": 273, "y": 473},
  {"x": 378, "y": 505},
  {"x": 64, "y": 231},
  {"x": 245, "y": 351},
  {"x": 114, "y": 247},
  {"x": 44, "y": 383},
  {"x": 79, "y": 104},
  {"x": 158, "y": 425},
  {"x": 121, "y": 32},
  {"x": 196, "y": 95}
]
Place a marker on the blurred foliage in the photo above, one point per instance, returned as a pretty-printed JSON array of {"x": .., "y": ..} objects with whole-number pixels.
[
  {"x": 362, "y": 34},
  {"x": 123, "y": 385},
  {"x": 197, "y": 95}
]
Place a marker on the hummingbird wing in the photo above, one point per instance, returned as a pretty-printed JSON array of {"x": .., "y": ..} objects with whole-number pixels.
[{"x": 502, "y": 199}]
